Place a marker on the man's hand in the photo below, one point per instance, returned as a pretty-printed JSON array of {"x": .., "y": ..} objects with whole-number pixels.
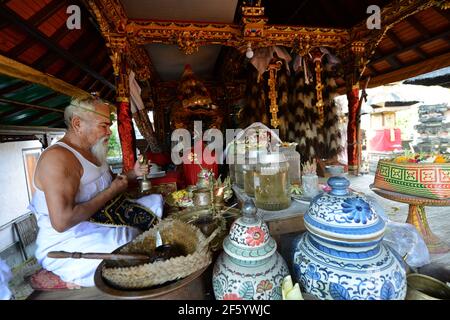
[
  {"x": 119, "y": 184},
  {"x": 140, "y": 168}
]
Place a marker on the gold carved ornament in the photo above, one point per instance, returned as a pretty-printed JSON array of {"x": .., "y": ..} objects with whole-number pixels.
[
  {"x": 319, "y": 86},
  {"x": 187, "y": 42},
  {"x": 273, "y": 68}
]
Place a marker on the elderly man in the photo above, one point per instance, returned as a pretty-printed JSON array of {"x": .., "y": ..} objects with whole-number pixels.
[{"x": 73, "y": 182}]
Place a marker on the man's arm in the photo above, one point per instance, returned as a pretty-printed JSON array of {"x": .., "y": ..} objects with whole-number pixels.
[{"x": 59, "y": 176}]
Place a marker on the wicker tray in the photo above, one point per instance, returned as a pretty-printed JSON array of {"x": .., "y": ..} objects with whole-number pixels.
[{"x": 188, "y": 237}]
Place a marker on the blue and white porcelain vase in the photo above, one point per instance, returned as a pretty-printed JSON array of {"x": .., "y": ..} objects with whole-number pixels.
[
  {"x": 250, "y": 268},
  {"x": 341, "y": 255}
]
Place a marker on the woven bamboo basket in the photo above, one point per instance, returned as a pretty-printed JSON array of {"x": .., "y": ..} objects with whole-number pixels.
[
  {"x": 174, "y": 232},
  {"x": 202, "y": 218}
]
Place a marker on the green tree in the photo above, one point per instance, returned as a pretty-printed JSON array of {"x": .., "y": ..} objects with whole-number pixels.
[{"x": 115, "y": 149}]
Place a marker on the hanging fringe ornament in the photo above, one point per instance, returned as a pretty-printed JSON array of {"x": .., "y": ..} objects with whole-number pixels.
[
  {"x": 274, "y": 66},
  {"x": 317, "y": 58}
]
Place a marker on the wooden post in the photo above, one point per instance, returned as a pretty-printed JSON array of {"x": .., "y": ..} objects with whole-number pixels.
[{"x": 353, "y": 130}]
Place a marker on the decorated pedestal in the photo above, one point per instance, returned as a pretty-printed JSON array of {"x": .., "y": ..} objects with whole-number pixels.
[
  {"x": 250, "y": 268},
  {"x": 425, "y": 180},
  {"x": 419, "y": 185},
  {"x": 341, "y": 256}
]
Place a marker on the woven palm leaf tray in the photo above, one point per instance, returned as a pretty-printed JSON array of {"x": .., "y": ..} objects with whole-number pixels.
[{"x": 188, "y": 237}]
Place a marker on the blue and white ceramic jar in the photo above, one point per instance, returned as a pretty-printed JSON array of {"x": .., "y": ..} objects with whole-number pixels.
[
  {"x": 250, "y": 268},
  {"x": 341, "y": 255}
]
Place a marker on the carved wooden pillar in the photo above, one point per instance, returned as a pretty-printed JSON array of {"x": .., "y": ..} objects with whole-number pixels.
[{"x": 354, "y": 63}]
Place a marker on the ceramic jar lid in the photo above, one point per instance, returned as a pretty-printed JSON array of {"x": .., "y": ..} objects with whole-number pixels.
[
  {"x": 249, "y": 237},
  {"x": 340, "y": 215}
]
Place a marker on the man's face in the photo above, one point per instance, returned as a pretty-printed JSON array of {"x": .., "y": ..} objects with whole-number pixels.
[{"x": 95, "y": 129}]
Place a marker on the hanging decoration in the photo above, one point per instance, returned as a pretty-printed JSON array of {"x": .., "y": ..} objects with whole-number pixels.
[
  {"x": 263, "y": 56},
  {"x": 274, "y": 66},
  {"x": 317, "y": 58},
  {"x": 303, "y": 48}
]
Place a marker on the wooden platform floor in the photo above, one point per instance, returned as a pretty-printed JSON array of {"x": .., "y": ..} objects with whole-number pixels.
[{"x": 77, "y": 294}]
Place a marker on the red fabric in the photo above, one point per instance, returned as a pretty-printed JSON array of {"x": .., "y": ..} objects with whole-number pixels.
[
  {"x": 382, "y": 140},
  {"x": 126, "y": 135},
  {"x": 44, "y": 280},
  {"x": 192, "y": 168},
  {"x": 161, "y": 159}
]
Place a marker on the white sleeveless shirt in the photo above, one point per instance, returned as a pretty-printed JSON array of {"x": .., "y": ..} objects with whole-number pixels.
[{"x": 83, "y": 237}]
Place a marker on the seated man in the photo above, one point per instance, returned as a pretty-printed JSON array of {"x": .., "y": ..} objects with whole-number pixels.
[{"x": 73, "y": 182}]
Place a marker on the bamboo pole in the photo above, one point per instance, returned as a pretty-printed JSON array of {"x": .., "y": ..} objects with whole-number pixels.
[{"x": 18, "y": 70}]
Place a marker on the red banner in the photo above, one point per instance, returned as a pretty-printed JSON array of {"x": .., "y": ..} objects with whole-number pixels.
[{"x": 126, "y": 135}]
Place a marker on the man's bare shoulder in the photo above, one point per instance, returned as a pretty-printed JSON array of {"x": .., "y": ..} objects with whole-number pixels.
[
  {"x": 58, "y": 159},
  {"x": 57, "y": 155}
]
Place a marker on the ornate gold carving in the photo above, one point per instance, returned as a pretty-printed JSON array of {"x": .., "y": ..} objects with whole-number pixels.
[
  {"x": 253, "y": 21},
  {"x": 254, "y": 11},
  {"x": 187, "y": 42},
  {"x": 443, "y": 4},
  {"x": 115, "y": 14},
  {"x": 122, "y": 88},
  {"x": 118, "y": 46},
  {"x": 257, "y": 31},
  {"x": 274, "y": 67},
  {"x": 302, "y": 45}
]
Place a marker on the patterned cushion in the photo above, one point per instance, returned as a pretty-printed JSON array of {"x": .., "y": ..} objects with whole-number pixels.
[
  {"x": 123, "y": 211},
  {"x": 44, "y": 280}
]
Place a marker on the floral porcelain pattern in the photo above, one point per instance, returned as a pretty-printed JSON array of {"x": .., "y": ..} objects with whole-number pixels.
[
  {"x": 357, "y": 210},
  {"x": 338, "y": 211},
  {"x": 261, "y": 281},
  {"x": 246, "y": 234},
  {"x": 341, "y": 256},
  {"x": 250, "y": 268},
  {"x": 380, "y": 276},
  {"x": 255, "y": 236}
]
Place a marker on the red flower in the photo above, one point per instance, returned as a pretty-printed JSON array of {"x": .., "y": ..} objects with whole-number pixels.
[
  {"x": 255, "y": 236},
  {"x": 231, "y": 296},
  {"x": 264, "y": 285}
]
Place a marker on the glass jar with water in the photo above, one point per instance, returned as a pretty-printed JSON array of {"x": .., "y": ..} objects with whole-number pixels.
[{"x": 271, "y": 180}]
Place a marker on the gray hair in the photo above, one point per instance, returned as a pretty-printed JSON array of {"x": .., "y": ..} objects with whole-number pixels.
[{"x": 78, "y": 107}]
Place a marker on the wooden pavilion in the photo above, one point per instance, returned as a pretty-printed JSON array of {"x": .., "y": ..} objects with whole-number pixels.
[
  {"x": 53, "y": 50},
  {"x": 43, "y": 63}
]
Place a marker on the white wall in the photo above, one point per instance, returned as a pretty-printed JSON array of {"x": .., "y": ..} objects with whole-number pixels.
[{"x": 13, "y": 186}]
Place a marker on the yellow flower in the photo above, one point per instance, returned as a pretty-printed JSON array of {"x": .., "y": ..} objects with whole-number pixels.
[{"x": 440, "y": 159}]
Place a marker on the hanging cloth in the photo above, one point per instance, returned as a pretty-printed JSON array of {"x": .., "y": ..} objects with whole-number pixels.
[{"x": 140, "y": 115}]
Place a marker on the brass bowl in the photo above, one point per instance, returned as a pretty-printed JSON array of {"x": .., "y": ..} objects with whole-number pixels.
[{"x": 422, "y": 287}]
